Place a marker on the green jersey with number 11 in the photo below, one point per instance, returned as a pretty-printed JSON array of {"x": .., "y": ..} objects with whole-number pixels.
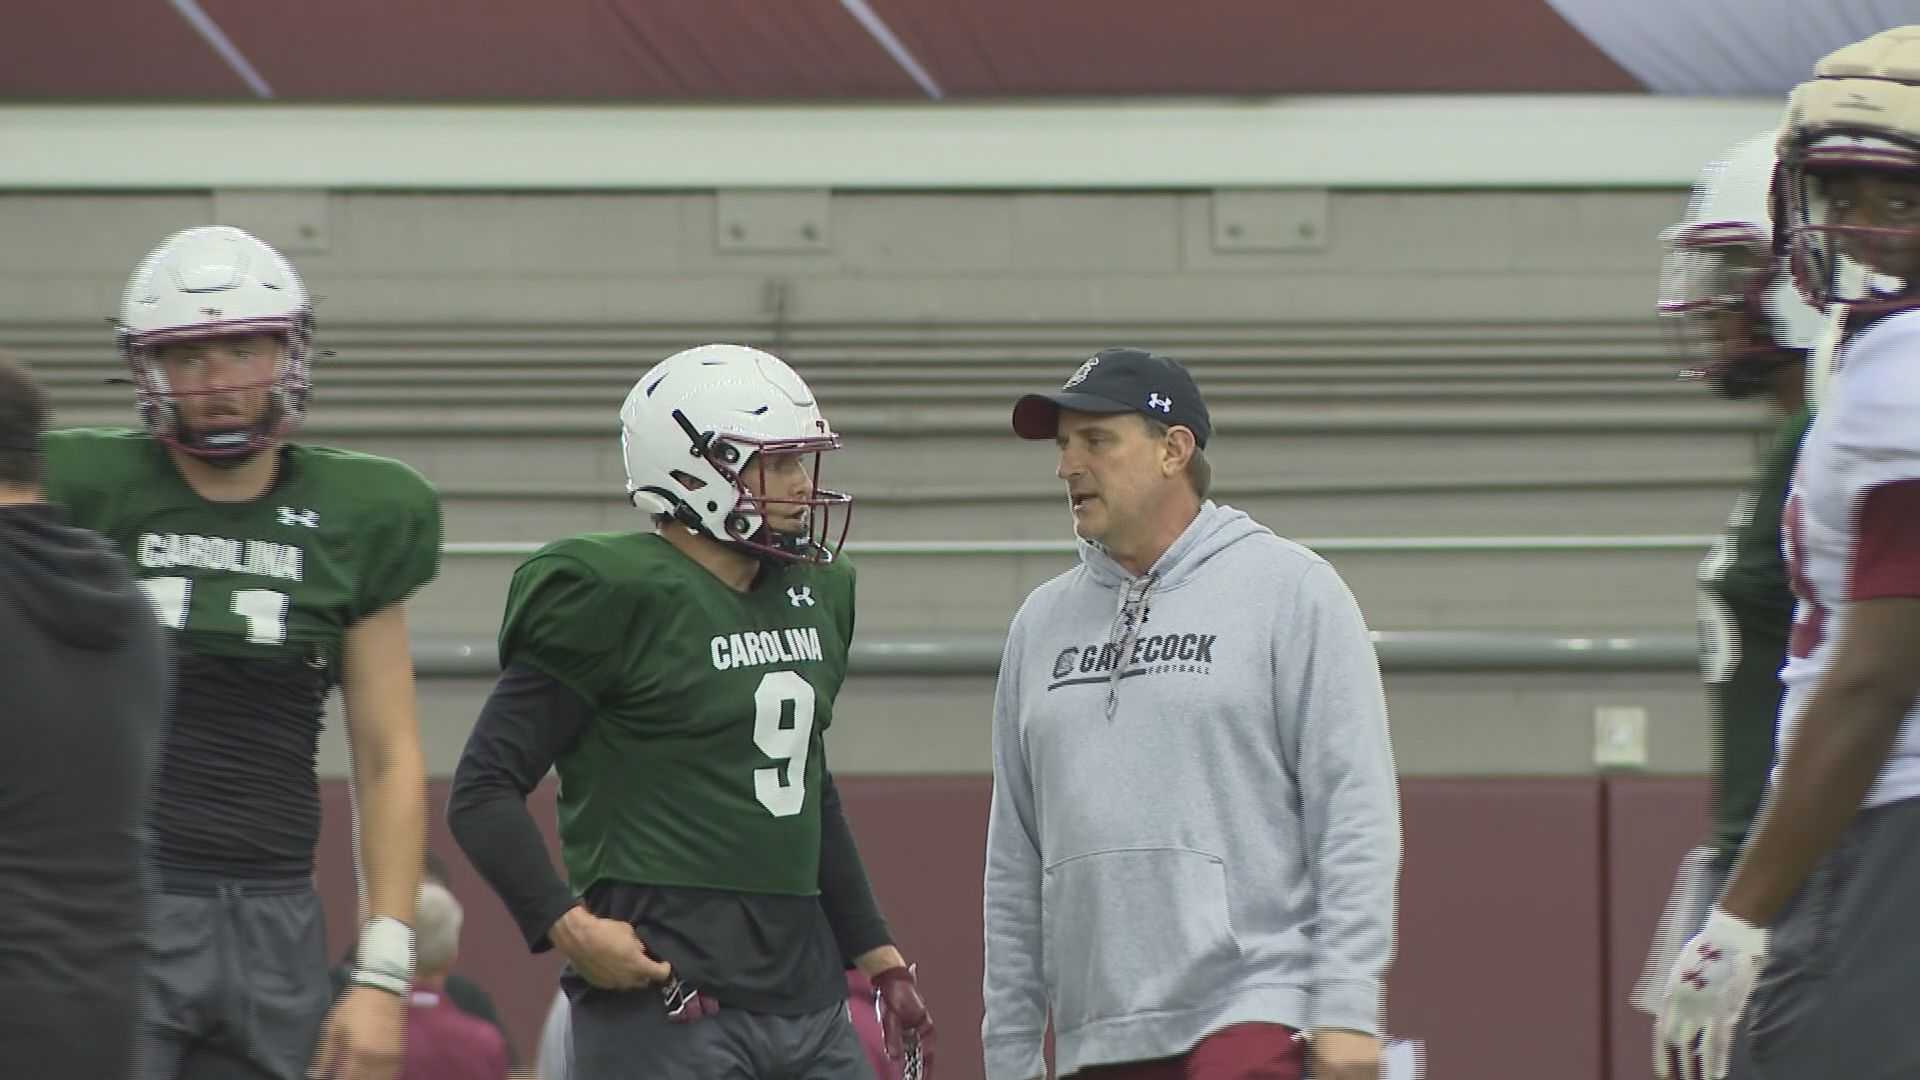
[
  {"x": 338, "y": 537},
  {"x": 702, "y": 763}
]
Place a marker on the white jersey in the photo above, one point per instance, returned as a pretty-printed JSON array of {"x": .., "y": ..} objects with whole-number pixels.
[{"x": 1852, "y": 523}]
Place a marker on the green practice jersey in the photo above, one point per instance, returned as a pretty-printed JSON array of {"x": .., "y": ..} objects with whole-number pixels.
[
  {"x": 702, "y": 764},
  {"x": 1745, "y": 612},
  {"x": 338, "y": 537}
]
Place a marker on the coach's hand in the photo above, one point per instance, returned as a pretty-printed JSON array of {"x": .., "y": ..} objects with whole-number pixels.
[
  {"x": 606, "y": 952},
  {"x": 1339, "y": 1054},
  {"x": 364, "y": 1038}
]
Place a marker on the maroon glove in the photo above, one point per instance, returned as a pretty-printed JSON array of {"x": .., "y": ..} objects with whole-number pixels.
[
  {"x": 684, "y": 1003},
  {"x": 904, "y": 1023}
]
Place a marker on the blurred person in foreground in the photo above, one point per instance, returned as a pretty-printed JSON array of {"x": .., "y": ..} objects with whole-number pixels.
[
  {"x": 1808, "y": 964},
  {"x": 84, "y": 672},
  {"x": 1740, "y": 326},
  {"x": 1193, "y": 847}
]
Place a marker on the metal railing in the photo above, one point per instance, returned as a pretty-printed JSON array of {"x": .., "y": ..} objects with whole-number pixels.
[
  {"x": 1450, "y": 651},
  {"x": 1399, "y": 650},
  {"x": 1326, "y": 545}
]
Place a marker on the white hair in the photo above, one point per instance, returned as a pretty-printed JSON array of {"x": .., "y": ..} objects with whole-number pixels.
[{"x": 436, "y": 930}]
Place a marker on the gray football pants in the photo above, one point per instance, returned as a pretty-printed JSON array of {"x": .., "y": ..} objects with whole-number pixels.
[
  {"x": 627, "y": 1036},
  {"x": 1837, "y": 997},
  {"x": 236, "y": 982}
]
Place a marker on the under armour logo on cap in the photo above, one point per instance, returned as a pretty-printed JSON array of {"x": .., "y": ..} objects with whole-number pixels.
[
  {"x": 1119, "y": 380},
  {"x": 800, "y": 595}
]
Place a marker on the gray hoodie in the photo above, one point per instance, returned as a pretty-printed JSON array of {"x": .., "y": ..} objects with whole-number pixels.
[{"x": 1195, "y": 820}]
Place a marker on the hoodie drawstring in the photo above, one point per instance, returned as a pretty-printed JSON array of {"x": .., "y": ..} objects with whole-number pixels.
[{"x": 1127, "y": 621}]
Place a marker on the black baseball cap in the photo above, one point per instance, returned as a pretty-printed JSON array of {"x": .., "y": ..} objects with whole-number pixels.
[{"x": 1119, "y": 381}]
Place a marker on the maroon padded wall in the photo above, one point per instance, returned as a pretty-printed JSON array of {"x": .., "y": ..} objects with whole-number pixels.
[
  {"x": 1499, "y": 968},
  {"x": 1651, "y": 822},
  {"x": 1526, "y": 907}
]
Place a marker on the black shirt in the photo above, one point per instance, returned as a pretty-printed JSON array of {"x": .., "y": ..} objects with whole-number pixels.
[
  {"x": 84, "y": 677},
  {"x": 238, "y": 795}
]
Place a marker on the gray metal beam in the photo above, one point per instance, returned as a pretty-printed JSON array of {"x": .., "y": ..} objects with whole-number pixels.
[
  {"x": 1327, "y": 545},
  {"x": 1399, "y": 650}
]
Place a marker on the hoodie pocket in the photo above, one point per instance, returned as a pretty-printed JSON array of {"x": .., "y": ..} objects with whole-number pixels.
[{"x": 1133, "y": 931}]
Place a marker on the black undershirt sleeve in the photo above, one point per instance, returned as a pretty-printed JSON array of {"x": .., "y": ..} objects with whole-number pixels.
[
  {"x": 528, "y": 722},
  {"x": 845, "y": 893}
]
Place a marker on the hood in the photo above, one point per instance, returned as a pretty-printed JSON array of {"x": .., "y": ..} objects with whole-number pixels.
[
  {"x": 67, "y": 581},
  {"x": 1212, "y": 531}
]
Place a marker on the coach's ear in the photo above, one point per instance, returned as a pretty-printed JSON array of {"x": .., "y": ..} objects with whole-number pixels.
[{"x": 1176, "y": 450}]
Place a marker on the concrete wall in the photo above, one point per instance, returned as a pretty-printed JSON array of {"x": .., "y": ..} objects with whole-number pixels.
[
  {"x": 1431, "y": 363},
  {"x": 1427, "y": 341},
  {"x": 1040, "y": 258}
]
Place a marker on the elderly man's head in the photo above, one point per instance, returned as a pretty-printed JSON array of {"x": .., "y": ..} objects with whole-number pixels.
[{"x": 436, "y": 931}]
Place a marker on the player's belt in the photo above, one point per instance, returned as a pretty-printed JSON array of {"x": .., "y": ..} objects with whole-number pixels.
[{"x": 194, "y": 883}]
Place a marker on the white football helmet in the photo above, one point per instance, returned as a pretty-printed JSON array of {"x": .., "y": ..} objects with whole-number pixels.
[
  {"x": 1859, "y": 114},
  {"x": 693, "y": 428},
  {"x": 1729, "y": 298},
  {"x": 214, "y": 282}
]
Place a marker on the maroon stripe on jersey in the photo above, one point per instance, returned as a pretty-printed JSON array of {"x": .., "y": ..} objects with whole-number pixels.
[
  {"x": 1809, "y": 618},
  {"x": 1886, "y": 543}
]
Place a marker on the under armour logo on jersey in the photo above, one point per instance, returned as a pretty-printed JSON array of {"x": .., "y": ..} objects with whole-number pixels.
[
  {"x": 309, "y": 518},
  {"x": 800, "y": 595},
  {"x": 1080, "y": 376},
  {"x": 1155, "y": 401}
]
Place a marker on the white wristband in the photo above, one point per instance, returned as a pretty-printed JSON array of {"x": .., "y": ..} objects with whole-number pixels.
[
  {"x": 396, "y": 987},
  {"x": 386, "y": 955}
]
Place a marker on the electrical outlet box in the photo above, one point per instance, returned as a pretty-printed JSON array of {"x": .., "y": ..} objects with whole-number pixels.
[{"x": 1620, "y": 737}]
